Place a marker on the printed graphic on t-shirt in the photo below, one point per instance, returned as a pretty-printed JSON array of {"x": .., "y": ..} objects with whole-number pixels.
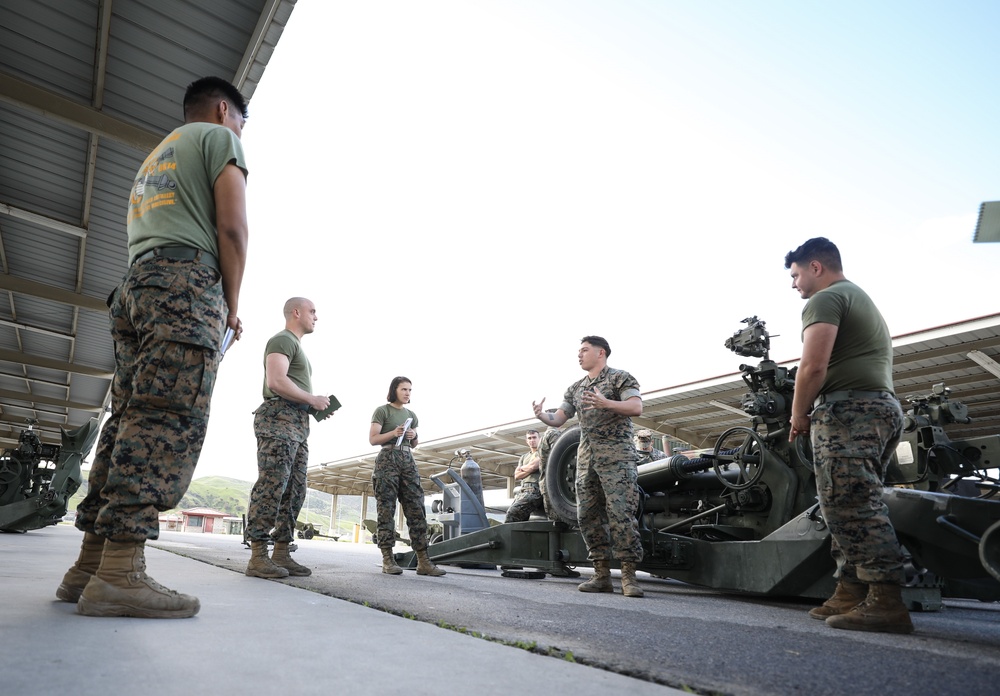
[{"x": 155, "y": 187}]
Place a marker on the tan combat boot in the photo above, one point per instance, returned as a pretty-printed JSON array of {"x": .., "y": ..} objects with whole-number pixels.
[
  {"x": 882, "y": 611},
  {"x": 260, "y": 566},
  {"x": 121, "y": 588},
  {"x": 847, "y": 596},
  {"x": 389, "y": 565},
  {"x": 77, "y": 577},
  {"x": 630, "y": 588},
  {"x": 601, "y": 582},
  {"x": 425, "y": 566},
  {"x": 281, "y": 558}
]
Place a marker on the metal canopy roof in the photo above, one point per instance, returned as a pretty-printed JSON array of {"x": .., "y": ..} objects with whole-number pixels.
[
  {"x": 988, "y": 225},
  {"x": 87, "y": 89},
  {"x": 961, "y": 355}
]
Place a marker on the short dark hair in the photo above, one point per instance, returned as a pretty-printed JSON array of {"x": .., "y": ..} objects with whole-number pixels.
[
  {"x": 396, "y": 381},
  {"x": 528, "y": 432},
  {"x": 201, "y": 93},
  {"x": 597, "y": 342},
  {"x": 816, "y": 249}
]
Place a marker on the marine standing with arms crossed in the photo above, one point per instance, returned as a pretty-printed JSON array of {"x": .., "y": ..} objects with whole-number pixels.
[
  {"x": 529, "y": 499},
  {"x": 607, "y": 492},
  {"x": 845, "y": 403},
  {"x": 187, "y": 244},
  {"x": 394, "y": 429},
  {"x": 644, "y": 447}
]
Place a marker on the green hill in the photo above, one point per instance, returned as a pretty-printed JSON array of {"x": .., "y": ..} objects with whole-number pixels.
[{"x": 227, "y": 495}]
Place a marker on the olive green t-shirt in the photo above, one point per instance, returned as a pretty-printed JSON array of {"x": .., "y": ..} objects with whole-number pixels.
[
  {"x": 299, "y": 369},
  {"x": 172, "y": 202},
  {"x": 390, "y": 417},
  {"x": 862, "y": 352}
]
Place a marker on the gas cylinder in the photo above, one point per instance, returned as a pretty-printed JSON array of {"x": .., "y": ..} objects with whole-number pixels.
[{"x": 472, "y": 475}]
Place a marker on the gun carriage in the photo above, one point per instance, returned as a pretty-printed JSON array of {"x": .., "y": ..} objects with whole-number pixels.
[{"x": 37, "y": 479}]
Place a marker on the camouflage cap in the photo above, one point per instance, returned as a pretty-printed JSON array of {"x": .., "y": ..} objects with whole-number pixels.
[{"x": 644, "y": 434}]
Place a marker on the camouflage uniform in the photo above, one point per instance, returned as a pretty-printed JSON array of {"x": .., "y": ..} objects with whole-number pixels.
[
  {"x": 167, "y": 320},
  {"x": 549, "y": 438},
  {"x": 282, "y": 430},
  {"x": 650, "y": 456},
  {"x": 852, "y": 443},
  {"x": 529, "y": 499},
  {"x": 855, "y": 426},
  {"x": 607, "y": 493},
  {"x": 396, "y": 478}
]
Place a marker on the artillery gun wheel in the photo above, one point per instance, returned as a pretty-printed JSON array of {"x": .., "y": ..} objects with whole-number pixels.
[
  {"x": 748, "y": 458},
  {"x": 989, "y": 550},
  {"x": 560, "y": 478},
  {"x": 11, "y": 473}
]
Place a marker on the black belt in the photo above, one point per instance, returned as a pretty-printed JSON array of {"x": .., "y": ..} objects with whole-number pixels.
[
  {"x": 396, "y": 447},
  {"x": 848, "y": 394},
  {"x": 180, "y": 253},
  {"x": 294, "y": 404}
]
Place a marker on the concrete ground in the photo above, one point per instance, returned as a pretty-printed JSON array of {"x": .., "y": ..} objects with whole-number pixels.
[{"x": 250, "y": 637}]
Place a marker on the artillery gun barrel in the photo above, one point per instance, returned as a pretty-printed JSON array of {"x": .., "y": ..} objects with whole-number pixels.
[{"x": 663, "y": 474}]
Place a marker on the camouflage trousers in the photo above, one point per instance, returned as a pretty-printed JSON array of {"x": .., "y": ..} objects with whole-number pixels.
[
  {"x": 282, "y": 459},
  {"x": 852, "y": 443},
  {"x": 396, "y": 478},
  {"x": 529, "y": 500},
  {"x": 167, "y": 321},
  {"x": 607, "y": 499}
]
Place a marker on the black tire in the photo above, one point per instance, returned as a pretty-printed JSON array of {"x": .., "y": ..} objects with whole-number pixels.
[{"x": 560, "y": 478}]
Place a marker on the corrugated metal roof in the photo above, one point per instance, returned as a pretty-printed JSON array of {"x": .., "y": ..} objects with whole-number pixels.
[
  {"x": 87, "y": 88},
  {"x": 988, "y": 225},
  {"x": 699, "y": 412}
]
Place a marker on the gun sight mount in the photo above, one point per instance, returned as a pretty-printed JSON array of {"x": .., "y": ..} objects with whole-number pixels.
[{"x": 754, "y": 341}]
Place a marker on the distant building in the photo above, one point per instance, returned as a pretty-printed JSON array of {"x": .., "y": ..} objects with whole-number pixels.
[
  {"x": 204, "y": 521},
  {"x": 230, "y": 525},
  {"x": 170, "y": 523}
]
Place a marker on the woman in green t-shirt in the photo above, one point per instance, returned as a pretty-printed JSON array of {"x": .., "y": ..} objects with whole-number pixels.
[{"x": 394, "y": 429}]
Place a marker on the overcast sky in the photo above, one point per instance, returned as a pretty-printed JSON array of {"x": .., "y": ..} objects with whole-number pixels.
[{"x": 467, "y": 188}]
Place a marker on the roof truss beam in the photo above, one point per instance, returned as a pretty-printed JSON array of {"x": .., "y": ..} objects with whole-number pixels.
[
  {"x": 42, "y": 220},
  {"x": 14, "y": 426},
  {"x": 51, "y": 401},
  {"x": 58, "y": 108},
  {"x": 21, "y": 358},
  {"x": 50, "y": 292}
]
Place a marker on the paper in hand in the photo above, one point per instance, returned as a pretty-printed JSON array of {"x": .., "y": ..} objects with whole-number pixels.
[
  {"x": 227, "y": 341},
  {"x": 406, "y": 426}
]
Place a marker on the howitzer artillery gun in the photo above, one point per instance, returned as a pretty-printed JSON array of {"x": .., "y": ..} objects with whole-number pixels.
[
  {"x": 743, "y": 516},
  {"x": 933, "y": 461},
  {"x": 37, "y": 479}
]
